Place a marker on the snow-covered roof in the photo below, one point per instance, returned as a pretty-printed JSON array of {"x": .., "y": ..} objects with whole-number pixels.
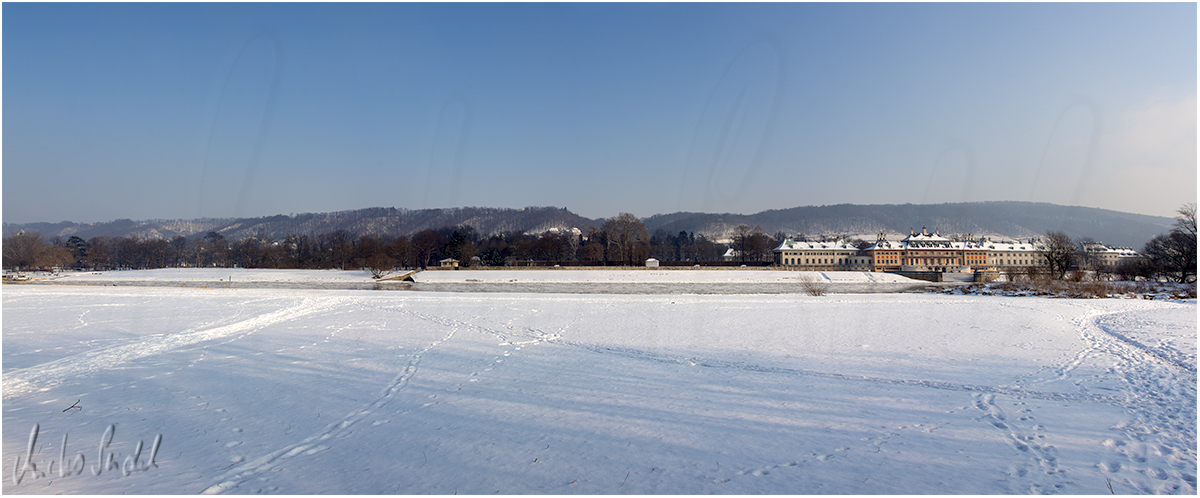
[
  {"x": 883, "y": 243},
  {"x": 800, "y": 245},
  {"x": 916, "y": 239},
  {"x": 925, "y": 240},
  {"x": 1099, "y": 248},
  {"x": 901, "y": 246},
  {"x": 1014, "y": 246}
]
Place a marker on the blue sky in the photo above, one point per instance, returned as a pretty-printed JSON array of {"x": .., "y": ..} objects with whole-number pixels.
[{"x": 215, "y": 110}]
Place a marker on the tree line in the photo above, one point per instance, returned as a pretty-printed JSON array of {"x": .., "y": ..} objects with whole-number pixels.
[
  {"x": 1167, "y": 257},
  {"x": 620, "y": 241},
  {"x": 1170, "y": 256}
]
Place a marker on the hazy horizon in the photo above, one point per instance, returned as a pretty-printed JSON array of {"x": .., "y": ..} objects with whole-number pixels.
[
  {"x": 185, "y": 111},
  {"x": 641, "y": 216}
]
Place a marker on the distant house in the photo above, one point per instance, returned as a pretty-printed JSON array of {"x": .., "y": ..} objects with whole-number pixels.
[
  {"x": 449, "y": 263},
  {"x": 651, "y": 263}
]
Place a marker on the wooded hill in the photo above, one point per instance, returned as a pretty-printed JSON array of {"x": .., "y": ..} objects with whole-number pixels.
[{"x": 1007, "y": 219}]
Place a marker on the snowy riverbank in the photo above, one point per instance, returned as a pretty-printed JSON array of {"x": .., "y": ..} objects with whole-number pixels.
[
  {"x": 340, "y": 391},
  {"x": 561, "y": 281}
]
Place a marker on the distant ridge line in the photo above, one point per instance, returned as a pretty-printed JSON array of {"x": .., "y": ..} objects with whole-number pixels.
[{"x": 1012, "y": 219}]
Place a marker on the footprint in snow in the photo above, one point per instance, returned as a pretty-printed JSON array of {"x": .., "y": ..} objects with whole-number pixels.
[{"x": 1018, "y": 470}]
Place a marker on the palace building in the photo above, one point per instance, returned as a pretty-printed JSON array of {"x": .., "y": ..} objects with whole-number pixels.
[
  {"x": 924, "y": 252},
  {"x": 918, "y": 252}
]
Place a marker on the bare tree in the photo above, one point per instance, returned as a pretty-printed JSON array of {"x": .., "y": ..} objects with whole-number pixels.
[
  {"x": 1087, "y": 259},
  {"x": 379, "y": 264},
  {"x": 424, "y": 244},
  {"x": 22, "y": 250},
  {"x": 592, "y": 251},
  {"x": 706, "y": 250},
  {"x": 179, "y": 246},
  {"x": 1132, "y": 268},
  {"x": 56, "y": 257},
  {"x": 1185, "y": 228},
  {"x": 812, "y": 285},
  {"x": 214, "y": 251},
  {"x": 1173, "y": 255},
  {"x": 1186, "y": 222},
  {"x": 741, "y": 242},
  {"x": 98, "y": 252},
  {"x": 1060, "y": 254},
  {"x": 624, "y": 233},
  {"x": 759, "y": 245},
  {"x": 400, "y": 250},
  {"x": 752, "y": 244}
]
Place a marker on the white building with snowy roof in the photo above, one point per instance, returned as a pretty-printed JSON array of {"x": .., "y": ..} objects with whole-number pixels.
[
  {"x": 1015, "y": 256},
  {"x": 918, "y": 252},
  {"x": 838, "y": 255},
  {"x": 1098, "y": 255}
]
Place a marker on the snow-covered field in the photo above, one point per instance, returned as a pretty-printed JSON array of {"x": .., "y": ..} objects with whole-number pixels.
[{"x": 291, "y": 390}]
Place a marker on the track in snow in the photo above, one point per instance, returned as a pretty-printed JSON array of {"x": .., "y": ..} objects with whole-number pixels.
[{"x": 47, "y": 375}]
